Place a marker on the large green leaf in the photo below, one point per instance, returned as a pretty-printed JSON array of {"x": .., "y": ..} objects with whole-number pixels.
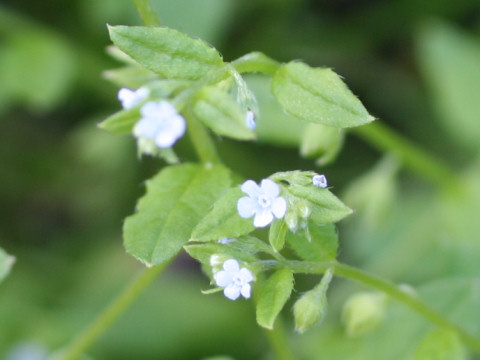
[
  {"x": 223, "y": 220},
  {"x": 166, "y": 51},
  {"x": 273, "y": 296},
  {"x": 318, "y": 95},
  {"x": 6, "y": 262},
  {"x": 176, "y": 199}
]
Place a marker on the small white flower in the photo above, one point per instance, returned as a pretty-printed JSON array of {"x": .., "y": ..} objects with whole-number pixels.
[
  {"x": 160, "y": 123},
  {"x": 250, "y": 120},
  {"x": 130, "y": 98},
  {"x": 234, "y": 280},
  {"x": 262, "y": 201},
  {"x": 320, "y": 181}
]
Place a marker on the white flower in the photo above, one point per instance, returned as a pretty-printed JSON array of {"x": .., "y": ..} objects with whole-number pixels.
[
  {"x": 320, "y": 181},
  {"x": 160, "y": 123},
  {"x": 250, "y": 120},
  {"x": 262, "y": 201},
  {"x": 234, "y": 280},
  {"x": 130, "y": 98}
]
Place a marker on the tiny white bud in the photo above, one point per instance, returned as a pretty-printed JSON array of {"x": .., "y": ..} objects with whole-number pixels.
[
  {"x": 250, "y": 120},
  {"x": 320, "y": 181}
]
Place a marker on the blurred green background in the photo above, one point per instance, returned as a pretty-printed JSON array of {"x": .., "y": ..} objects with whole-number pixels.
[{"x": 65, "y": 186}]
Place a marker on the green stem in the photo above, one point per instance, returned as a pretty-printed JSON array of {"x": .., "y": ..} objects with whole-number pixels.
[
  {"x": 109, "y": 315},
  {"x": 416, "y": 159},
  {"x": 147, "y": 13},
  {"x": 397, "y": 293}
]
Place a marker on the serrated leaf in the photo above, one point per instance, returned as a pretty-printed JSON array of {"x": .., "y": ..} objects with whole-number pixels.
[
  {"x": 218, "y": 111},
  {"x": 6, "y": 262},
  {"x": 326, "y": 207},
  {"x": 223, "y": 220},
  {"x": 166, "y": 51},
  {"x": 317, "y": 95},
  {"x": 277, "y": 233},
  {"x": 273, "y": 296},
  {"x": 176, "y": 199},
  {"x": 323, "y": 242},
  {"x": 121, "y": 122}
]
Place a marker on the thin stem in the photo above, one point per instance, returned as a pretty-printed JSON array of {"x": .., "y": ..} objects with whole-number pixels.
[
  {"x": 415, "y": 158},
  {"x": 147, "y": 13},
  {"x": 93, "y": 332},
  {"x": 405, "y": 297}
]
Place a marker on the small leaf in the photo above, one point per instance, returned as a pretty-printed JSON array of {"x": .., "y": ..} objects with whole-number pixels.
[
  {"x": 6, "y": 262},
  {"x": 166, "y": 51},
  {"x": 273, "y": 296},
  {"x": 121, "y": 122},
  {"x": 322, "y": 246},
  {"x": 218, "y": 111},
  {"x": 176, "y": 199},
  {"x": 277, "y": 233},
  {"x": 323, "y": 142},
  {"x": 223, "y": 220},
  {"x": 326, "y": 207},
  {"x": 131, "y": 77},
  {"x": 317, "y": 95}
]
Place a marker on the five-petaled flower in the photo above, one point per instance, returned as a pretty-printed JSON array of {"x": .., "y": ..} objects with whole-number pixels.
[
  {"x": 262, "y": 201},
  {"x": 160, "y": 123},
  {"x": 234, "y": 280},
  {"x": 320, "y": 181},
  {"x": 130, "y": 98}
]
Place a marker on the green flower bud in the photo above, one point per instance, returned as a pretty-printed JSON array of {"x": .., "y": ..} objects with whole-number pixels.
[
  {"x": 311, "y": 308},
  {"x": 364, "y": 312},
  {"x": 291, "y": 219},
  {"x": 303, "y": 209}
]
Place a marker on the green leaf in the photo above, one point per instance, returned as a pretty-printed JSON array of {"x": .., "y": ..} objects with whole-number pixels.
[
  {"x": 277, "y": 233},
  {"x": 223, "y": 220},
  {"x": 6, "y": 262},
  {"x": 317, "y": 95},
  {"x": 326, "y": 207},
  {"x": 273, "y": 296},
  {"x": 176, "y": 199},
  {"x": 323, "y": 142},
  {"x": 166, "y": 51},
  {"x": 218, "y": 111},
  {"x": 131, "y": 77},
  {"x": 121, "y": 122},
  {"x": 440, "y": 344},
  {"x": 323, "y": 242},
  {"x": 449, "y": 60}
]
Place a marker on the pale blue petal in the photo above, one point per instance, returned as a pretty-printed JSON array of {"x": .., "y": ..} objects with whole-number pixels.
[
  {"x": 246, "y": 275},
  {"x": 146, "y": 127},
  {"x": 231, "y": 266},
  {"x": 165, "y": 139},
  {"x": 279, "y": 207},
  {"x": 246, "y": 291},
  {"x": 262, "y": 219},
  {"x": 270, "y": 188},
  {"x": 251, "y": 188},
  {"x": 232, "y": 292},
  {"x": 246, "y": 207},
  {"x": 150, "y": 109},
  {"x": 223, "y": 278}
]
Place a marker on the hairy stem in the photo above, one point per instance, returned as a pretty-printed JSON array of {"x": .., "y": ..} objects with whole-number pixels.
[
  {"x": 85, "y": 339},
  {"x": 147, "y": 13}
]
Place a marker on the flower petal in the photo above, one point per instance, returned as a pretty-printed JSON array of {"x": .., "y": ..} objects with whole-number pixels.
[
  {"x": 262, "y": 219},
  {"x": 150, "y": 109},
  {"x": 232, "y": 292},
  {"x": 246, "y": 207},
  {"x": 246, "y": 275},
  {"x": 279, "y": 207},
  {"x": 231, "y": 266},
  {"x": 146, "y": 127},
  {"x": 223, "y": 278},
  {"x": 165, "y": 139},
  {"x": 270, "y": 188},
  {"x": 251, "y": 188},
  {"x": 246, "y": 291}
]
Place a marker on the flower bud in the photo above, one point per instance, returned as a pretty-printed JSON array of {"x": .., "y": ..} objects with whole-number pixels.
[
  {"x": 364, "y": 312},
  {"x": 303, "y": 209},
  {"x": 310, "y": 309},
  {"x": 291, "y": 219}
]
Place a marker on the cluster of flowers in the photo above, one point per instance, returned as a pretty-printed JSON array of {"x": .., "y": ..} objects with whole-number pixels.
[{"x": 160, "y": 125}]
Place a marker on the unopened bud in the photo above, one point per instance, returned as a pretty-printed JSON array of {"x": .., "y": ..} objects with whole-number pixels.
[
  {"x": 303, "y": 209},
  {"x": 364, "y": 312},
  {"x": 291, "y": 219},
  {"x": 311, "y": 308}
]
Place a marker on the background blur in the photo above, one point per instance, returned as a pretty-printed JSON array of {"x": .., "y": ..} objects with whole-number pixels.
[{"x": 65, "y": 185}]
